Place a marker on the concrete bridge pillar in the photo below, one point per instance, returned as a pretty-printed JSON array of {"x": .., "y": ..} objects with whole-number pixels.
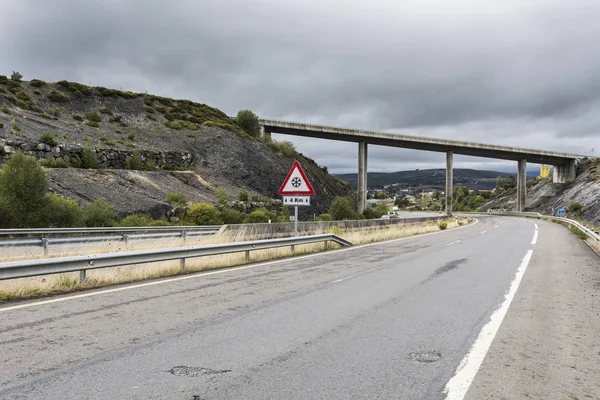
[
  {"x": 565, "y": 173},
  {"x": 521, "y": 185},
  {"x": 449, "y": 185},
  {"x": 263, "y": 132},
  {"x": 362, "y": 177}
]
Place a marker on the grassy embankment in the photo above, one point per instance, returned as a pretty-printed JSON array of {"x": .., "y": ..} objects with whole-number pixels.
[{"x": 63, "y": 283}]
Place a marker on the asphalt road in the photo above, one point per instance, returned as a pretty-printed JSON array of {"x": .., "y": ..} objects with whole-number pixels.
[{"x": 386, "y": 321}]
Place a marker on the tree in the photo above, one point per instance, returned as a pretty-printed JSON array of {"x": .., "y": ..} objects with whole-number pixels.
[
  {"x": 176, "y": 199},
  {"x": 575, "y": 206},
  {"x": 203, "y": 214},
  {"x": 99, "y": 213},
  {"x": 15, "y": 76},
  {"x": 324, "y": 217},
  {"x": 510, "y": 182},
  {"x": 499, "y": 183},
  {"x": 248, "y": 121},
  {"x": 60, "y": 212},
  {"x": 401, "y": 200},
  {"x": 435, "y": 195},
  {"x": 343, "y": 208},
  {"x": 222, "y": 195},
  {"x": 23, "y": 188}
]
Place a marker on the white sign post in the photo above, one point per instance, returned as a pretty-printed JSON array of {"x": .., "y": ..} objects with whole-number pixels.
[{"x": 296, "y": 191}]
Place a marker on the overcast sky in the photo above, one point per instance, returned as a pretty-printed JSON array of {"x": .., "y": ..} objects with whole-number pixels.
[{"x": 516, "y": 72}]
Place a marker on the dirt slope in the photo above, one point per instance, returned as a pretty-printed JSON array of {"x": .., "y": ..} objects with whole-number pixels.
[{"x": 161, "y": 129}]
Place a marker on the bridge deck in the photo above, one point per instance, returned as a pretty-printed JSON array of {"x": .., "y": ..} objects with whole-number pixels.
[{"x": 418, "y": 143}]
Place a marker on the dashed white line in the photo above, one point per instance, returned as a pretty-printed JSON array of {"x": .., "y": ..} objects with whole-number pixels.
[
  {"x": 495, "y": 226},
  {"x": 450, "y": 244},
  {"x": 483, "y": 232},
  {"x": 459, "y": 384}
]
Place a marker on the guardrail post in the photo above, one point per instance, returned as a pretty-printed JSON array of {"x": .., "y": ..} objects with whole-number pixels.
[
  {"x": 124, "y": 238},
  {"x": 326, "y": 243},
  {"x": 82, "y": 274},
  {"x": 45, "y": 245},
  {"x": 182, "y": 264},
  {"x": 247, "y": 256},
  {"x": 293, "y": 249},
  {"x": 183, "y": 235}
]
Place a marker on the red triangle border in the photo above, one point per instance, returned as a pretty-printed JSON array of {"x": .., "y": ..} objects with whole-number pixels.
[{"x": 303, "y": 175}]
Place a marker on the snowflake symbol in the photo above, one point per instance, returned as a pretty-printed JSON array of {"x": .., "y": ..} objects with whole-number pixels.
[{"x": 296, "y": 182}]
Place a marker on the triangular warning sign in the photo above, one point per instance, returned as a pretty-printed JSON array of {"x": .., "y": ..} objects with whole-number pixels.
[{"x": 296, "y": 183}]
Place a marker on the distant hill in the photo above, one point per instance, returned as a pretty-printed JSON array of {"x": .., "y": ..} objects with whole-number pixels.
[{"x": 432, "y": 178}]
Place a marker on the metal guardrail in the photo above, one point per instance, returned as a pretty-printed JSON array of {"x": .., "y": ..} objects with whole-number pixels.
[
  {"x": 46, "y": 237},
  {"x": 589, "y": 233},
  {"x": 48, "y": 266}
]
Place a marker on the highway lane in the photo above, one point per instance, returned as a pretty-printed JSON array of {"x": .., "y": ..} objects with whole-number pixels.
[{"x": 355, "y": 323}]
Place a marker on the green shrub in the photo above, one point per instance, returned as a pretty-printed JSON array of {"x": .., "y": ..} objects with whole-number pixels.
[
  {"x": 130, "y": 144},
  {"x": 285, "y": 148},
  {"x": 225, "y": 125},
  {"x": 151, "y": 117},
  {"x": 174, "y": 125},
  {"x": 189, "y": 125},
  {"x": 37, "y": 92},
  {"x": 149, "y": 109},
  {"x": 243, "y": 195},
  {"x": 89, "y": 159},
  {"x": 76, "y": 162},
  {"x": 49, "y": 139},
  {"x": 92, "y": 123},
  {"x": 343, "y": 208},
  {"x": 150, "y": 165},
  {"x": 76, "y": 88},
  {"x": 248, "y": 121},
  {"x": 203, "y": 214},
  {"x": 77, "y": 117},
  {"x": 105, "y": 110},
  {"x": 15, "y": 76},
  {"x": 140, "y": 220},
  {"x": 222, "y": 195},
  {"x": 54, "y": 163},
  {"x": 116, "y": 118},
  {"x": 58, "y": 97},
  {"x": 22, "y": 96},
  {"x": 4, "y": 108},
  {"x": 99, "y": 214},
  {"x": 37, "y": 83},
  {"x": 176, "y": 199},
  {"x": 442, "y": 225},
  {"x": 325, "y": 217},
  {"x": 92, "y": 116},
  {"x": 56, "y": 111},
  {"x": 1, "y": 126},
  {"x": 259, "y": 216},
  {"x": 23, "y": 188},
  {"x": 575, "y": 206},
  {"x": 60, "y": 212},
  {"x": 578, "y": 232},
  {"x": 230, "y": 216},
  {"x": 131, "y": 136}
]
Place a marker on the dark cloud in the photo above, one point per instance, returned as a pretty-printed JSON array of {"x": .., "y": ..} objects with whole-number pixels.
[{"x": 519, "y": 73}]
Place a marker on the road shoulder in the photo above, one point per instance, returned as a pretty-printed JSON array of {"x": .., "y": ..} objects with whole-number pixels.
[{"x": 548, "y": 344}]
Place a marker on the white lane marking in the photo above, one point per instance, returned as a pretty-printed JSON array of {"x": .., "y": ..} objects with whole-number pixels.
[
  {"x": 354, "y": 275},
  {"x": 535, "y": 237},
  {"x": 221, "y": 271},
  {"x": 450, "y": 244},
  {"x": 495, "y": 226},
  {"x": 459, "y": 384},
  {"x": 483, "y": 232}
]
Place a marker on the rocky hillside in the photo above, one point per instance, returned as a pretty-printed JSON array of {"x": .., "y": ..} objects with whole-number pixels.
[
  {"x": 180, "y": 146},
  {"x": 544, "y": 196}
]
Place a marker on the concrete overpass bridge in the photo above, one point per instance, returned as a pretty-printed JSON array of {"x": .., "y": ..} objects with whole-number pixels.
[{"x": 564, "y": 163}]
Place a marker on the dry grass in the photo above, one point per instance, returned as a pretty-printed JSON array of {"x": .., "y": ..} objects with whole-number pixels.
[{"x": 62, "y": 283}]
